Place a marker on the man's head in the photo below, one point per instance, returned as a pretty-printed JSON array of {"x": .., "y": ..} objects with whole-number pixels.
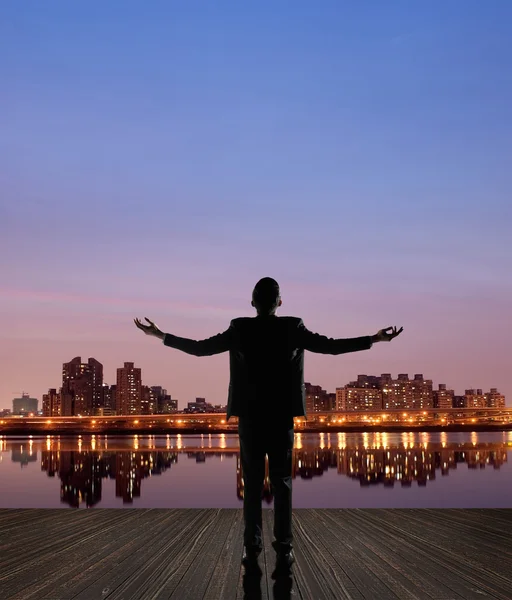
[{"x": 266, "y": 297}]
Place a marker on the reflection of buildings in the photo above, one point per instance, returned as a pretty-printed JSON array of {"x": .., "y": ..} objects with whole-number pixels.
[
  {"x": 23, "y": 454},
  {"x": 396, "y": 464},
  {"x": 81, "y": 473},
  {"x": 266, "y": 493}
]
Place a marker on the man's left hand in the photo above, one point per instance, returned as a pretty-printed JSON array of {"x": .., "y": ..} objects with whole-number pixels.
[{"x": 150, "y": 329}]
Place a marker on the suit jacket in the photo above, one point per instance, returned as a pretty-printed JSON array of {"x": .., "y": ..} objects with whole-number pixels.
[{"x": 266, "y": 358}]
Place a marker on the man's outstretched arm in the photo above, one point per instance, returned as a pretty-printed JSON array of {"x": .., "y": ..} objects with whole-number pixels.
[
  {"x": 213, "y": 345},
  {"x": 314, "y": 342}
]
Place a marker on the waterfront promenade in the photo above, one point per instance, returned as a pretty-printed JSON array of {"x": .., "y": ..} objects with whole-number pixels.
[
  {"x": 189, "y": 554},
  {"x": 449, "y": 419}
]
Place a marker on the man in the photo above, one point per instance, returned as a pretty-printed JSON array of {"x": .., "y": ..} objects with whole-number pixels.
[{"x": 266, "y": 390}]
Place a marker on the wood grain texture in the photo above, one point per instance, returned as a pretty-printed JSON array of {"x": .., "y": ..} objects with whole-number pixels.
[{"x": 189, "y": 554}]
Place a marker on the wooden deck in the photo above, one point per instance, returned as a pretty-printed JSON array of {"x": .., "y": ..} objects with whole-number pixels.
[{"x": 189, "y": 554}]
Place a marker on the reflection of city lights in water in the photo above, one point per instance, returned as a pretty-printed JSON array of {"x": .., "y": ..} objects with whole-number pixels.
[
  {"x": 93, "y": 443},
  {"x": 223, "y": 440},
  {"x": 444, "y": 438},
  {"x": 136, "y": 442},
  {"x": 329, "y": 440},
  {"x": 179, "y": 442},
  {"x": 297, "y": 442},
  {"x": 80, "y": 444},
  {"x": 342, "y": 440},
  {"x": 209, "y": 440},
  {"x": 322, "y": 440},
  {"x": 168, "y": 442}
]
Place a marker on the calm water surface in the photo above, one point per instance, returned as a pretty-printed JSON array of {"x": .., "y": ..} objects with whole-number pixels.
[{"x": 331, "y": 470}]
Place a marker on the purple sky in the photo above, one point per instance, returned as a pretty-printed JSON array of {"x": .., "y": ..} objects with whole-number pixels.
[{"x": 157, "y": 160}]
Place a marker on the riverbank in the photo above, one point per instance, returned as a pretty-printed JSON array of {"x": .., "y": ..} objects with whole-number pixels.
[{"x": 75, "y": 431}]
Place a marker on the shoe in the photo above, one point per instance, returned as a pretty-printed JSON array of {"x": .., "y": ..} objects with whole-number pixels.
[
  {"x": 284, "y": 561},
  {"x": 250, "y": 554}
]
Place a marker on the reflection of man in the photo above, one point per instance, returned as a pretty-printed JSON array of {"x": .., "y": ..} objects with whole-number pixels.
[{"x": 266, "y": 391}]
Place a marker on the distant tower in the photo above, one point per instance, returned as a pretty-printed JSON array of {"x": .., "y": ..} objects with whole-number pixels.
[
  {"x": 24, "y": 405},
  {"x": 129, "y": 390},
  {"x": 82, "y": 385}
]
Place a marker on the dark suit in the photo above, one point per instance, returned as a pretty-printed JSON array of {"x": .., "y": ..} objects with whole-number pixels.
[{"x": 266, "y": 390}]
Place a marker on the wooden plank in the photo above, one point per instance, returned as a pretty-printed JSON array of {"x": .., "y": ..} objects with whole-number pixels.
[
  {"x": 438, "y": 569},
  {"x": 227, "y": 570},
  {"x": 356, "y": 554},
  {"x": 167, "y": 548},
  {"x": 357, "y": 565}
]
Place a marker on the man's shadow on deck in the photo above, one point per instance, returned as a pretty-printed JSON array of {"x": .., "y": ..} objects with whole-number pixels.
[{"x": 251, "y": 581}]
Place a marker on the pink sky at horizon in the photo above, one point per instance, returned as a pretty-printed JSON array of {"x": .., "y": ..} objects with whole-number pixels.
[{"x": 47, "y": 329}]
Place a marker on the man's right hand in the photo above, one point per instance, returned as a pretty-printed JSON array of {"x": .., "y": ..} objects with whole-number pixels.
[
  {"x": 150, "y": 329},
  {"x": 384, "y": 336}
]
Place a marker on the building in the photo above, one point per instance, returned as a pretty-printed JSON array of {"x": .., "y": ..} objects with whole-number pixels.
[
  {"x": 82, "y": 387},
  {"x": 128, "y": 390},
  {"x": 358, "y": 399},
  {"x": 317, "y": 399},
  {"x": 443, "y": 398},
  {"x": 199, "y": 406},
  {"x": 459, "y": 402},
  {"x": 24, "y": 405},
  {"x": 167, "y": 405},
  {"x": 494, "y": 399},
  {"x": 474, "y": 398},
  {"x": 150, "y": 399},
  {"x": 108, "y": 401},
  {"x": 51, "y": 403},
  {"x": 422, "y": 396}
]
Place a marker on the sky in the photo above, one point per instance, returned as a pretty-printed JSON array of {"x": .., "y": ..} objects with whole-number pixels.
[{"x": 157, "y": 159}]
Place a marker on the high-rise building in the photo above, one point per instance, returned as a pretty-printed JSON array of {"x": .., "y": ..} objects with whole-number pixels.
[
  {"x": 129, "y": 390},
  {"x": 150, "y": 397},
  {"x": 24, "y": 405},
  {"x": 315, "y": 398},
  {"x": 474, "y": 398},
  {"x": 51, "y": 403},
  {"x": 422, "y": 396},
  {"x": 358, "y": 399},
  {"x": 459, "y": 402},
  {"x": 167, "y": 405},
  {"x": 82, "y": 387},
  {"x": 108, "y": 402},
  {"x": 494, "y": 399},
  {"x": 443, "y": 398}
]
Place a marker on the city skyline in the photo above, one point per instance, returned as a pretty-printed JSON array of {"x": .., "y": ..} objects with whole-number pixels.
[
  {"x": 83, "y": 391},
  {"x": 158, "y": 161}
]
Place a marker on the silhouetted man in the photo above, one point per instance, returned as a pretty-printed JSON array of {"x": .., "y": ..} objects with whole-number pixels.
[{"x": 266, "y": 391}]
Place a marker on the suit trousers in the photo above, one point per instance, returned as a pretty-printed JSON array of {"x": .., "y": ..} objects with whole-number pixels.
[{"x": 275, "y": 439}]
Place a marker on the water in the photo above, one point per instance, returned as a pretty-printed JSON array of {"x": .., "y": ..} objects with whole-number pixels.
[{"x": 331, "y": 470}]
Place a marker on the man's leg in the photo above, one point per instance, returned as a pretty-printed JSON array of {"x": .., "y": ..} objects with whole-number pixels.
[
  {"x": 280, "y": 452},
  {"x": 252, "y": 460}
]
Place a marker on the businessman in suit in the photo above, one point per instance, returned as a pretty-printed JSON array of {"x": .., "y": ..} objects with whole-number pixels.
[{"x": 266, "y": 391}]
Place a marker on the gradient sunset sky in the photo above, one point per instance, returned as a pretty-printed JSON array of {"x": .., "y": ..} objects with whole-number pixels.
[{"x": 158, "y": 158}]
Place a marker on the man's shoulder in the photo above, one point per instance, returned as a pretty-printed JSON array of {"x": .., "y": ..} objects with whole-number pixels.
[{"x": 289, "y": 319}]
